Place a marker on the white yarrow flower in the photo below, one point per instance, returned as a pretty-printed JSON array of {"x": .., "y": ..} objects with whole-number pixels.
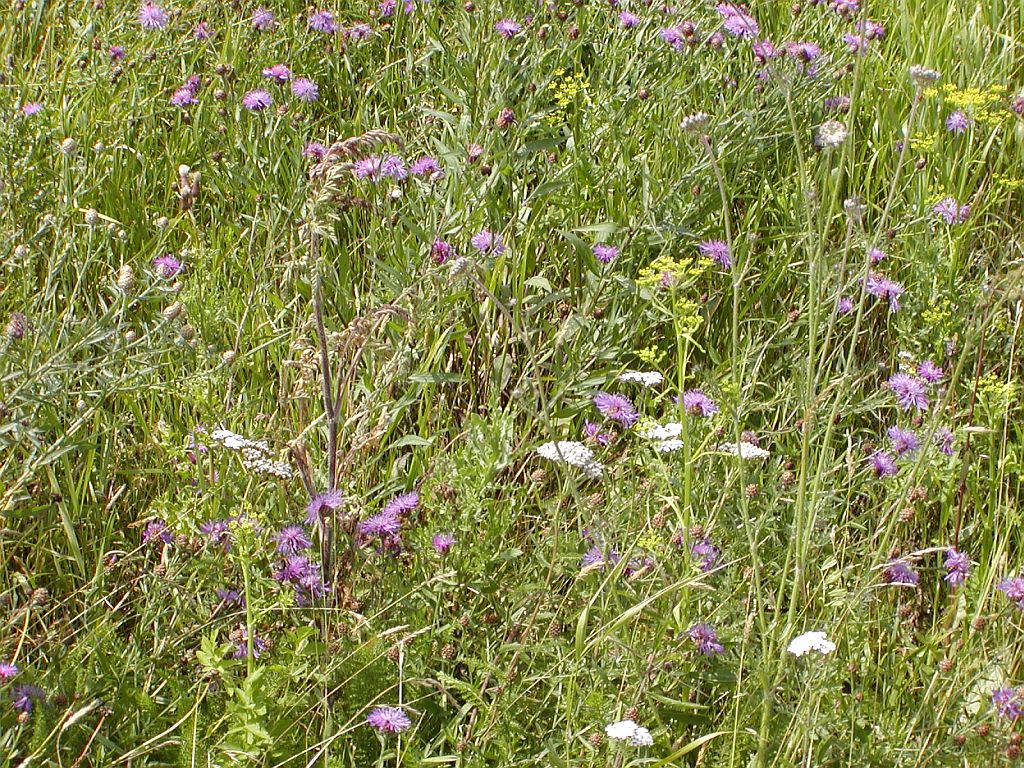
[
  {"x": 655, "y": 431},
  {"x": 641, "y": 737},
  {"x": 668, "y": 446},
  {"x": 573, "y": 453},
  {"x": 811, "y": 641},
  {"x": 647, "y": 378},
  {"x": 745, "y": 450},
  {"x": 627, "y": 730}
]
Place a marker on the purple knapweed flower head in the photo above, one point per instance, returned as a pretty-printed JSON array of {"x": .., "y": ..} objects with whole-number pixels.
[
  {"x": 368, "y": 167},
  {"x": 257, "y": 100},
  {"x": 426, "y": 166},
  {"x": 628, "y": 20},
  {"x": 957, "y": 122},
  {"x": 950, "y": 211},
  {"x": 157, "y": 530},
  {"x": 202, "y": 31},
  {"x": 184, "y": 97},
  {"x": 31, "y": 108},
  {"x": 876, "y": 255},
  {"x": 958, "y": 567},
  {"x": 263, "y": 19},
  {"x": 230, "y": 596},
  {"x": 698, "y": 403},
  {"x": 166, "y": 266},
  {"x": 442, "y": 542},
  {"x": 737, "y": 22},
  {"x": 292, "y": 539},
  {"x": 314, "y": 150},
  {"x": 883, "y": 464},
  {"x": 383, "y": 525},
  {"x": 278, "y": 72},
  {"x": 717, "y": 251},
  {"x": 909, "y": 391},
  {"x": 929, "y": 371},
  {"x": 673, "y": 36},
  {"x": 882, "y": 287},
  {"x": 845, "y": 305},
  {"x": 802, "y": 51},
  {"x": 765, "y": 51},
  {"x": 839, "y": 104},
  {"x": 486, "y": 241},
  {"x": 903, "y": 441},
  {"x": 1013, "y": 588},
  {"x": 705, "y": 553},
  {"x": 359, "y": 32},
  {"x": 152, "y": 16},
  {"x": 116, "y": 52},
  {"x": 388, "y": 720},
  {"x": 394, "y": 166},
  {"x": 402, "y": 504},
  {"x": 328, "y": 500},
  {"x": 897, "y": 572},
  {"x": 305, "y": 90},
  {"x": 1008, "y": 703},
  {"x": 25, "y": 696},
  {"x": 7, "y": 671},
  {"x": 441, "y": 251},
  {"x": 387, "y": 8},
  {"x": 592, "y": 431},
  {"x": 943, "y": 438},
  {"x": 508, "y": 28},
  {"x": 706, "y": 639},
  {"x": 259, "y": 646},
  {"x": 605, "y": 253},
  {"x": 294, "y": 568},
  {"x": 617, "y": 408},
  {"x": 322, "y": 21}
]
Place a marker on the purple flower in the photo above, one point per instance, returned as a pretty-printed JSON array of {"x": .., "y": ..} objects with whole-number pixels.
[
  {"x": 314, "y": 150},
  {"x": 219, "y": 531},
  {"x": 322, "y": 21},
  {"x": 900, "y": 573},
  {"x": 31, "y": 108},
  {"x": 950, "y": 211},
  {"x": 25, "y": 696},
  {"x": 882, "y": 287},
  {"x": 425, "y": 166},
  {"x": 263, "y": 19},
  {"x": 442, "y": 542},
  {"x": 605, "y": 253},
  {"x": 845, "y": 305},
  {"x": 486, "y": 241},
  {"x": 402, "y": 504},
  {"x": 294, "y": 568},
  {"x": 627, "y": 19},
  {"x": 802, "y": 51},
  {"x": 705, "y": 553},
  {"x": 184, "y": 97},
  {"x": 152, "y": 16},
  {"x": 837, "y": 104},
  {"x": 592, "y": 431},
  {"x": 292, "y": 539},
  {"x": 166, "y": 266},
  {"x": 257, "y": 100},
  {"x": 944, "y": 440},
  {"x": 441, "y": 251},
  {"x": 717, "y": 251},
  {"x": 508, "y": 28},
  {"x": 957, "y": 122},
  {"x": 231, "y": 597},
  {"x": 278, "y": 72},
  {"x": 875, "y": 255},
  {"x": 1013, "y": 588},
  {"x": 698, "y": 403},
  {"x": 958, "y": 566},
  {"x": 706, "y": 638},
  {"x": 593, "y": 558},
  {"x": 388, "y": 720},
  {"x": 387, "y": 8},
  {"x": 383, "y": 525},
  {"x": 7, "y": 671},
  {"x": 305, "y": 90},
  {"x": 368, "y": 167},
  {"x": 909, "y": 391},
  {"x": 617, "y": 408},
  {"x": 202, "y": 31},
  {"x": 359, "y": 31},
  {"x": 904, "y": 441},
  {"x": 116, "y": 52},
  {"x": 929, "y": 371},
  {"x": 764, "y": 51},
  {"x": 157, "y": 530},
  {"x": 331, "y": 500},
  {"x": 394, "y": 166},
  {"x": 1008, "y": 703},
  {"x": 736, "y": 22},
  {"x": 883, "y": 464},
  {"x": 259, "y": 645},
  {"x": 673, "y": 36}
]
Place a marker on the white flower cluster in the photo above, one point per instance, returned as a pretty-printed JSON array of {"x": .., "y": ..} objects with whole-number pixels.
[
  {"x": 665, "y": 436},
  {"x": 571, "y": 452},
  {"x": 256, "y": 454},
  {"x": 627, "y": 730},
  {"x": 744, "y": 450},
  {"x": 647, "y": 378},
  {"x": 811, "y": 641}
]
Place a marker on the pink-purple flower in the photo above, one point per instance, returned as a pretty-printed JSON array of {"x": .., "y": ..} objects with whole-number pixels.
[
  {"x": 152, "y": 16},
  {"x": 883, "y": 464},
  {"x": 717, "y": 251},
  {"x": 706, "y": 639},
  {"x": 605, "y": 253},
  {"x": 305, "y": 90},
  {"x": 695, "y": 401},
  {"x": 257, "y": 100},
  {"x": 279, "y": 73},
  {"x": 958, "y": 567},
  {"x": 909, "y": 391},
  {"x": 617, "y": 408},
  {"x": 489, "y": 242},
  {"x": 388, "y": 720},
  {"x": 508, "y": 28}
]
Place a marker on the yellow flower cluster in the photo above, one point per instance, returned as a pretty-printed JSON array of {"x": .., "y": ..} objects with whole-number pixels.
[
  {"x": 671, "y": 270},
  {"x": 652, "y": 356},
  {"x": 564, "y": 92},
  {"x": 1008, "y": 182},
  {"x": 985, "y": 106},
  {"x": 923, "y": 142}
]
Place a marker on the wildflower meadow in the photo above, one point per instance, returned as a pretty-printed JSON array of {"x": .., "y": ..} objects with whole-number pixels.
[{"x": 511, "y": 383}]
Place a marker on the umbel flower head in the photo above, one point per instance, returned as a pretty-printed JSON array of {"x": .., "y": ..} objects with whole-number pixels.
[
  {"x": 811, "y": 641},
  {"x": 831, "y": 134},
  {"x": 627, "y": 730},
  {"x": 573, "y": 453},
  {"x": 695, "y": 123}
]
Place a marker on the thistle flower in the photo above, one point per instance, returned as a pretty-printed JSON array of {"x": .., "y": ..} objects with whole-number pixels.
[
  {"x": 958, "y": 567},
  {"x": 717, "y": 251},
  {"x": 617, "y": 408},
  {"x": 388, "y": 720},
  {"x": 883, "y": 464},
  {"x": 909, "y": 391},
  {"x": 425, "y": 166},
  {"x": 441, "y": 251},
  {"x": 882, "y": 287},
  {"x": 811, "y": 641},
  {"x": 257, "y": 100},
  {"x": 943, "y": 438},
  {"x": 698, "y": 403},
  {"x": 675, "y": 38},
  {"x": 184, "y": 97},
  {"x": 31, "y": 108},
  {"x": 903, "y": 441},
  {"x": 402, "y": 504},
  {"x": 314, "y": 150},
  {"x": 592, "y": 431},
  {"x": 897, "y": 572},
  {"x": 152, "y": 16},
  {"x": 157, "y": 530},
  {"x": 736, "y": 22},
  {"x": 706, "y": 639},
  {"x": 845, "y": 305},
  {"x": 605, "y": 253},
  {"x": 383, "y": 525}
]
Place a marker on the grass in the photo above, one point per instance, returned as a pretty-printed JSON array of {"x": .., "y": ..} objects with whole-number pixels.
[{"x": 310, "y": 314}]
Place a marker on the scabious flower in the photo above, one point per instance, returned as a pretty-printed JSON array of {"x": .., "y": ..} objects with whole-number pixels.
[
  {"x": 592, "y": 431},
  {"x": 698, "y": 403},
  {"x": 944, "y": 440},
  {"x": 929, "y": 371},
  {"x": 359, "y": 32},
  {"x": 627, "y": 19},
  {"x": 883, "y": 464},
  {"x": 486, "y": 241},
  {"x": 705, "y": 553},
  {"x": 717, "y": 251},
  {"x": 594, "y": 559},
  {"x": 617, "y": 408},
  {"x": 157, "y": 530},
  {"x": 278, "y": 72},
  {"x": 425, "y": 166},
  {"x": 1008, "y": 703},
  {"x": 442, "y": 542},
  {"x": 1013, "y": 588},
  {"x": 263, "y": 19},
  {"x": 25, "y": 696},
  {"x": 230, "y": 596},
  {"x": 605, "y": 253},
  {"x": 328, "y": 500},
  {"x": 7, "y": 671},
  {"x": 876, "y": 255},
  {"x": 950, "y": 211},
  {"x": 152, "y": 16},
  {"x": 508, "y": 28},
  {"x": 314, "y": 150},
  {"x": 305, "y": 90},
  {"x": 909, "y": 391},
  {"x": 257, "y": 100},
  {"x": 388, "y": 720},
  {"x": 900, "y": 573},
  {"x": 903, "y": 441},
  {"x": 811, "y": 641},
  {"x": 958, "y": 567},
  {"x": 292, "y": 539},
  {"x": 322, "y": 21},
  {"x": 706, "y": 639}
]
